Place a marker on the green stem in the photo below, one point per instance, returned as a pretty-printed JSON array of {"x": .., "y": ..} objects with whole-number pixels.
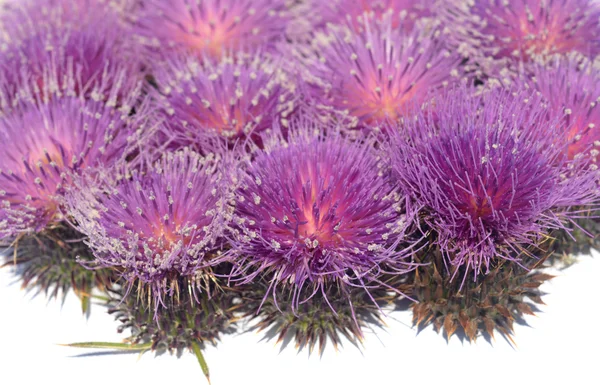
[{"x": 201, "y": 360}]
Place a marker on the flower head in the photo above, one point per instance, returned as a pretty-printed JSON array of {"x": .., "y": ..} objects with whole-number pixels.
[
  {"x": 83, "y": 41},
  {"x": 403, "y": 13},
  {"x": 54, "y": 137},
  {"x": 499, "y": 33},
  {"x": 211, "y": 27},
  {"x": 318, "y": 209},
  {"x": 232, "y": 98},
  {"x": 488, "y": 175},
  {"x": 374, "y": 74},
  {"x": 157, "y": 225},
  {"x": 571, "y": 87}
]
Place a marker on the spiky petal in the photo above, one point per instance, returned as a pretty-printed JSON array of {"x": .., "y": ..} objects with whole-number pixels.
[
  {"x": 488, "y": 174},
  {"x": 317, "y": 210},
  {"x": 374, "y": 74},
  {"x": 232, "y": 98},
  {"x": 211, "y": 27},
  {"x": 55, "y": 136},
  {"x": 159, "y": 225}
]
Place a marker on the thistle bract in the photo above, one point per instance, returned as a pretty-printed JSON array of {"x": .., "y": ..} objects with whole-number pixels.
[
  {"x": 188, "y": 321},
  {"x": 212, "y": 27},
  {"x": 55, "y": 136},
  {"x": 487, "y": 172},
  {"x": 232, "y": 98},
  {"x": 314, "y": 323},
  {"x": 318, "y": 209},
  {"x": 494, "y": 304},
  {"x": 181, "y": 324},
  {"x": 157, "y": 225},
  {"x": 48, "y": 262},
  {"x": 373, "y": 74}
]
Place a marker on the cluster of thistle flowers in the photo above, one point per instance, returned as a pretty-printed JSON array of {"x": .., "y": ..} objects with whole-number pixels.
[{"x": 306, "y": 162}]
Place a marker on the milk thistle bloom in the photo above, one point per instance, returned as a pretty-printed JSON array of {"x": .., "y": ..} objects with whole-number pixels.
[
  {"x": 211, "y": 27},
  {"x": 488, "y": 175},
  {"x": 54, "y": 137},
  {"x": 232, "y": 98},
  {"x": 373, "y": 74},
  {"x": 317, "y": 210},
  {"x": 571, "y": 86},
  {"x": 159, "y": 225},
  {"x": 85, "y": 43},
  {"x": 498, "y": 34}
]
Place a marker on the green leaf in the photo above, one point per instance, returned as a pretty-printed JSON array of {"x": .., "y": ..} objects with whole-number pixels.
[{"x": 110, "y": 345}]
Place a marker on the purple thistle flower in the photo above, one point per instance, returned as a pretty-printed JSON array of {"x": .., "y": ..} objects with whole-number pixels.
[
  {"x": 488, "y": 175},
  {"x": 317, "y": 210},
  {"x": 85, "y": 42},
  {"x": 403, "y": 13},
  {"x": 374, "y": 74},
  {"x": 54, "y": 137},
  {"x": 211, "y": 27},
  {"x": 231, "y": 99},
  {"x": 157, "y": 225},
  {"x": 571, "y": 86},
  {"x": 496, "y": 33}
]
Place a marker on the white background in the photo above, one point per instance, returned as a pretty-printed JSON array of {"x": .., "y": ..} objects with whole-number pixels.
[{"x": 560, "y": 346}]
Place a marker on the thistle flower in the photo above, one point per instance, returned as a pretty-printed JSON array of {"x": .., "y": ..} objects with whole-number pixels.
[
  {"x": 54, "y": 137},
  {"x": 403, "y": 13},
  {"x": 572, "y": 88},
  {"x": 159, "y": 225},
  {"x": 84, "y": 42},
  {"x": 318, "y": 210},
  {"x": 490, "y": 305},
  {"x": 374, "y": 74},
  {"x": 211, "y": 27},
  {"x": 233, "y": 98},
  {"x": 498, "y": 33},
  {"x": 488, "y": 175}
]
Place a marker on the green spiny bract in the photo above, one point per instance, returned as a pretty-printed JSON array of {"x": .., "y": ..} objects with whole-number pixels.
[
  {"x": 188, "y": 317},
  {"x": 493, "y": 303},
  {"x": 325, "y": 316},
  {"x": 49, "y": 262}
]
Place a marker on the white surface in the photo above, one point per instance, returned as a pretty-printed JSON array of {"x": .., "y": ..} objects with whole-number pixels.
[{"x": 561, "y": 346}]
